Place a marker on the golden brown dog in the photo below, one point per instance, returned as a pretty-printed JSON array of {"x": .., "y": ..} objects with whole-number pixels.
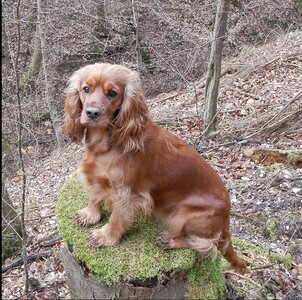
[{"x": 137, "y": 168}]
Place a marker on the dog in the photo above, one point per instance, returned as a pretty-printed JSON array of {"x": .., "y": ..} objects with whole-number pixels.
[{"x": 137, "y": 168}]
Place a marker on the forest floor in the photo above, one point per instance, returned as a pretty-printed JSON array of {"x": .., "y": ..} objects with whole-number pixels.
[{"x": 259, "y": 109}]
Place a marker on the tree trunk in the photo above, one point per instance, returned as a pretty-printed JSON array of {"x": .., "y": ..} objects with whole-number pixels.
[
  {"x": 214, "y": 67},
  {"x": 16, "y": 68},
  {"x": 35, "y": 62},
  {"x": 5, "y": 50},
  {"x": 137, "y": 35},
  {"x": 102, "y": 31},
  {"x": 31, "y": 25},
  {"x": 11, "y": 226},
  {"x": 49, "y": 82}
]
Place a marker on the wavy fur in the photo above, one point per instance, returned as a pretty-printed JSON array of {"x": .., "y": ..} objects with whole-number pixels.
[
  {"x": 136, "y": 168},
  {"x": 129, "y": 125}
]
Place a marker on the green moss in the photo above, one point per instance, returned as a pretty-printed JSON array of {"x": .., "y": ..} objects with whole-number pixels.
[
  {"x": 138, "y": 255},
  {"x": 10, "y": 241},
  {"x": 294, "y": 247},
  {"x": 274, "y": 167},
  {"x": 271, "y": 228},
  {"x": 272, "y": 256},
  {"x": 241, "y": 186},
  {"x": 204, "y": 284},
  {"x": 41, "y": 117},
  {"x": 298, "y": 4},
  {"x": 11, "y": 228},
  {"x": 145, "y": 53}
]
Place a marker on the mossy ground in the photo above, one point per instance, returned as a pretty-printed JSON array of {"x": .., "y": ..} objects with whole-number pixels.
[
  {"x": 272, "y": 256},
  {"x": 139, "y": 254}
]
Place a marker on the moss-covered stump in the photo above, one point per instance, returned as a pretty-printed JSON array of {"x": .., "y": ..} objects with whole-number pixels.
[{"x": 137, "y": 268}]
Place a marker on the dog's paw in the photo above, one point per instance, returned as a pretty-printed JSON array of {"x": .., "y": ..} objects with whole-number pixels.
[
  {"x": 101, "y": 238},
  {"x": 166, "y": 239},
  {"x": 241, "y": 267},
  {"x": 85, "y": 217}
]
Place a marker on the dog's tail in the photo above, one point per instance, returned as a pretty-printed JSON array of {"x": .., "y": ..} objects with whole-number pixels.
[{"x": 223, "y": 243}]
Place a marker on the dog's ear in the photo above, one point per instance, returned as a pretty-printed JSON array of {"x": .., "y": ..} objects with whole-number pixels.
[
  {"x": 130, "y": 122},
  {"x": 73, "y": 109}
]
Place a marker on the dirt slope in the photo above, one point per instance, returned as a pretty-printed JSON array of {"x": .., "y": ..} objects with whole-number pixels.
[{"x": 255, "y": 97}]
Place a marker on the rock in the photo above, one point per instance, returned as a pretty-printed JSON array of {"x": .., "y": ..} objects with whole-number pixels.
[{"x": 250, "y": 102}]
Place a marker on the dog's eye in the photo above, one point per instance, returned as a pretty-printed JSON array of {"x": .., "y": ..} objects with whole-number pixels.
[
  {"x": 112, "y": 94},
  {"x": 86, "y": 89}
]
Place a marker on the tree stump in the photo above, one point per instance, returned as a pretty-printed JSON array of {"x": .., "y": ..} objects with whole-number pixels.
[{"x": 137, "y": 268}]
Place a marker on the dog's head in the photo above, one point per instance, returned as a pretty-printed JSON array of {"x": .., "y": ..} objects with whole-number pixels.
[{"x": 108, "y": 97}]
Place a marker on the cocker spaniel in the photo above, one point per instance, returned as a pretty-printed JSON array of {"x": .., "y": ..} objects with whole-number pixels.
[{"x": 136, "y": 168}]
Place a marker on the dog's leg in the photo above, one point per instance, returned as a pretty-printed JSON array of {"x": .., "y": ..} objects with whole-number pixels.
[
  {"x": 112, "y": 232},
  {"x": 207, "y": 235},
  {"x": 230, "y": 255},
  {"x": 91, "y": 214},
  {"x": 171, "y": 232},
  {"x": 126, "y": 208}
]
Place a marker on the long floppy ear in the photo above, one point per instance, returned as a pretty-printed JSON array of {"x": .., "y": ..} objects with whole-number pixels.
[
  {"x": 73, "y": 109},
  {"x": 130, "y": 122}
]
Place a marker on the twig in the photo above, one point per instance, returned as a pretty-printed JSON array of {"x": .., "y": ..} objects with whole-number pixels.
[
  {"x": 246, "y": 94},
  {"x": 210, "y": 123},
  {"x": 243, "y": 277},
  {"x": 168, "y": 97},
  {"x": 19, "y": 262},
  {"x": 51, "y": 242},
  {"x": 47, "y": 241},
  {"x": 241, "y": 216},
  {"x": 246, "y": 70},
  {"x": 284, "y": 120},
  {"x": 41, "y": 217},
  {"x": 263, "y": 127},
  {"x": 296, "y": 97},
  {"x": 219, "y": 145},
  {"x": 293, "y": 233},
  {"x": 171, "y": 121},
  {"x": 294, "y": 55},
  {"x": 48, "y": 237},
  {"x": 12, "y": 276},
  {"x": 262, "y": 267}
]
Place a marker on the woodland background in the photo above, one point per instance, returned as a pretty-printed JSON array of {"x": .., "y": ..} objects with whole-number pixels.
[{"x": 168, "y": 42}]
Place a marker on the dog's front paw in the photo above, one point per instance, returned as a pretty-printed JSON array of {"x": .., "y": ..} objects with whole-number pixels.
[
  {"x": 86, "y": 217},
  {"x": 102, "y": 238}
]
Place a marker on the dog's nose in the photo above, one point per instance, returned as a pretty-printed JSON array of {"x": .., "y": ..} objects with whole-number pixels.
[{"x": 93, "y": 112}]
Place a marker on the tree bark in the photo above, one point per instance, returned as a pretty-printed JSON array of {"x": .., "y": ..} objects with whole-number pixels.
[
  {"x": 214, "y": 67},
  {"x": 16, "y": 70},
  {"x": 102, "y": 30},
  {"x": 35, "y": 62},
  {"x": 5, "y": 50},
  {"x": 11, "y": 226},
  {"x": 31, "y": 25},
  {"x": 49, "y": 82},
  {"x": 137, "y": 35},
  {"x": 86, "y": 286}
]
